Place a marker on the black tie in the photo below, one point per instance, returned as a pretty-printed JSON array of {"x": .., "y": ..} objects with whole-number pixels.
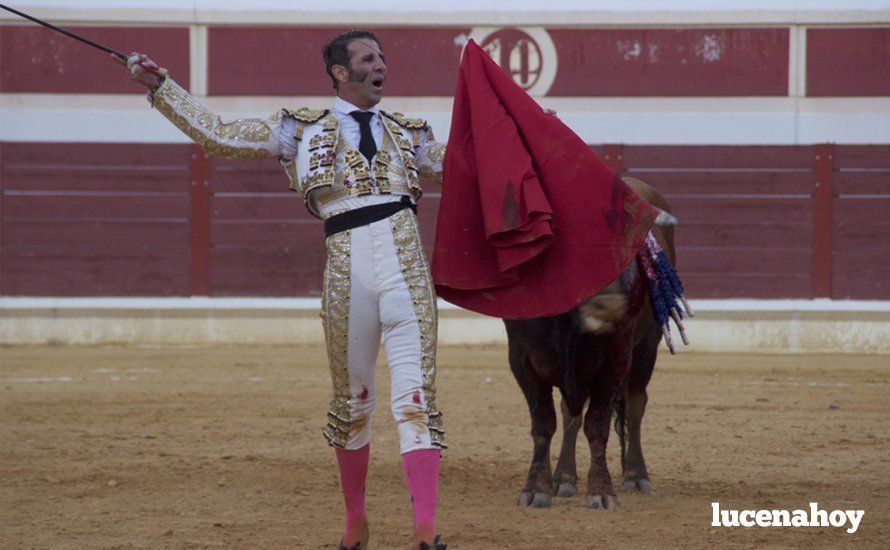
[{"x": 366, "y": 146}]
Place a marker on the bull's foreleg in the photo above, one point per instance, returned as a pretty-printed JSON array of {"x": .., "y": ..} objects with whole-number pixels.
[
  {"x": 539, "y": 395},
  {"x": 600, "y": 492},
  {"x": 565, "y": 477},
  {"x": 614, "y": 365}
]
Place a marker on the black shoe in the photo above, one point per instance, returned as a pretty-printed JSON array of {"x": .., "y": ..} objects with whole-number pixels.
[
  {"x": 356, "y": 546},
  {"x": 436, "y": 544}
]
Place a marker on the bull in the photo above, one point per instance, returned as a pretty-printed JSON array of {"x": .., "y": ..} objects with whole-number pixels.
[{"x": 602, "y": 353}]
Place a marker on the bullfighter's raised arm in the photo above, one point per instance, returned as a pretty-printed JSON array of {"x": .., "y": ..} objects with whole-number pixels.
[{"x": 238, "y": 139}]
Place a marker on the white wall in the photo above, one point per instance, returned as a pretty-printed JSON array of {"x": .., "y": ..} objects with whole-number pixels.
[
  {"x": 746, "y": 326},
  {"x": 474, "y": 12}
]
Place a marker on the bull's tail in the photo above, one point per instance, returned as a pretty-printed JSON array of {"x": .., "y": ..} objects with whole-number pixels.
[
  {"x": 576, "y": 394},
  {"x": 665, "y": 290},
  {"x": 621, "y": 424}
]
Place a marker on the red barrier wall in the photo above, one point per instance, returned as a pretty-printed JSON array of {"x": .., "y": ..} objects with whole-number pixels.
[
  {"x": 85, "y": 219},
  {"x": 860, "y": 255},
  {"x": 125, "y": 220},
  {"x": 94, "y": 220},
  {"x": 36, "y": 59},
  {"x": 745, "y": 213}
]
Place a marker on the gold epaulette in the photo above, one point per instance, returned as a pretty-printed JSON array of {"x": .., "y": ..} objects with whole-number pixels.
[
  {"x": 307, "y": 115},
  {"x": 405, "y": 122}
]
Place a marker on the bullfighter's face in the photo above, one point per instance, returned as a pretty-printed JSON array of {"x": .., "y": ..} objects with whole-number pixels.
[{"x": 365, "y": 76}]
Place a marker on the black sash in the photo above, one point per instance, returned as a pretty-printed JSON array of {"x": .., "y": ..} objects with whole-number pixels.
[{"x": 366, "y": 215}]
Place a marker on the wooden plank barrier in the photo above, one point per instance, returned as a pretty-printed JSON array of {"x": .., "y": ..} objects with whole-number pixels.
[{"x": 93, "y": 219}]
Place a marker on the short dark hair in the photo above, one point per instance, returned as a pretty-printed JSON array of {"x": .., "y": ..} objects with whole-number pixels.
[{"x": 336, "y": 52}]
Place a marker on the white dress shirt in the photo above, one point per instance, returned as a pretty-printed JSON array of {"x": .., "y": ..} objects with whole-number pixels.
[{"x": 349, "y": 128}]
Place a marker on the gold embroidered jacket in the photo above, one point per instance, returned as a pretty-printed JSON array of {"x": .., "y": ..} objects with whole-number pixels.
[{"x": 325, "y": 167}]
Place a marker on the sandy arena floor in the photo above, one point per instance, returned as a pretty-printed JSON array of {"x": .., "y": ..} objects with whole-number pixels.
[{"x": 222, "y": 448}]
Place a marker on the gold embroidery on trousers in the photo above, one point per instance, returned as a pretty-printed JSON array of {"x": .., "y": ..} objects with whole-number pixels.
[
  {"x": 335, "y": 315},
  {"x": 416, "y": 273}
]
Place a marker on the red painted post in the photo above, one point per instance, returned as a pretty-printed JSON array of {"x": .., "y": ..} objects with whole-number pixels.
[
  {"x": 199, "y": 221},
  {"x": 823, "y": 197},
  {"x": 614, "y": 156}
]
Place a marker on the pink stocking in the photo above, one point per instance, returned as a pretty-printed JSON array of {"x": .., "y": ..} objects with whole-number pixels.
[
  {"x": 353, "y": 473},
  {"x": 422, "y": 475}
]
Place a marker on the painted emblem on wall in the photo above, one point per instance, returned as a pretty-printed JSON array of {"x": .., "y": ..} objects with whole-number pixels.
[{"x": 526, "y": 53}]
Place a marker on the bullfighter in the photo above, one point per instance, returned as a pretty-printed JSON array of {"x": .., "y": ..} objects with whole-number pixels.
[{"x": 357, "y": 167}]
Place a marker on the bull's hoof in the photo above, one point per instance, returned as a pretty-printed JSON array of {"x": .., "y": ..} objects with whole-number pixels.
[
  {"x": 602, "y": 502},
  {"x": 566, "y": 490},
  {"x": 541, "y": 500},
  {"x": 642, "y": 485},
  {"x": 534, "y": 499}
]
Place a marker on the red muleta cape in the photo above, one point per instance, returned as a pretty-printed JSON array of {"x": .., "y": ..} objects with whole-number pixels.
[{"x": 531, "y": 222}]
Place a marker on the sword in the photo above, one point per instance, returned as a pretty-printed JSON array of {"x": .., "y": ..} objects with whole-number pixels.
[{"x": 150, "y": 68}]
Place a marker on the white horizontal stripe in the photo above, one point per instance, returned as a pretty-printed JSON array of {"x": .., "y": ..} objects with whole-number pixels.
[
  {"x": 83, "y": 117},
  {"x": 864, "y": 196},
  {"x": 93, "y": 167},
  {"x": 722, "y": 196},
  {"x": 15, "y": 302},
  {"x": 822, "y": 304},
  {"x": 733, "y": 170},
  {"x": 645, "y": 120},
  {"x": 60, "y": 219},
  {"x": 94, "y": 193},
  {"x": 267, "y": 221},
  {"x": 468, "y": 12},
  {"x": 239, "y": 195},
  {"x": 298, "y": 304}
]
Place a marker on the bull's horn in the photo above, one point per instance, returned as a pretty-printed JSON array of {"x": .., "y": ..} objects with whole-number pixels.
[{"x": 666, "y": 219}]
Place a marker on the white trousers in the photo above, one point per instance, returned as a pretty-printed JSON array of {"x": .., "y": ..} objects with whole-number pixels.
[{"x": 390, "y": 296}]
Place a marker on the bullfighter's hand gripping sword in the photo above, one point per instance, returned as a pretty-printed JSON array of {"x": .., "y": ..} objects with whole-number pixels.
[{"x": 148, "y": 66}]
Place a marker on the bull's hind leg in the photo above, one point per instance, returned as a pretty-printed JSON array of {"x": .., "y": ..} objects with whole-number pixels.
[
  {"x": 636, "y": 477},
  {"x": 565, "y": 477},
  {"x": 539, "y": 395}
]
